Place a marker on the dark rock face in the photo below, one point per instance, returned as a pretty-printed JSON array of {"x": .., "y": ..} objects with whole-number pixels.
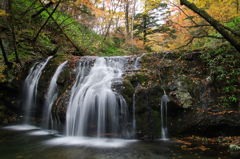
[
  {"x": 10, "y": 88},
  {"x": 194, "y": 107}
]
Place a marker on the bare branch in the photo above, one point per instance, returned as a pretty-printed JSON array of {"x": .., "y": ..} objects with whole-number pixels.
[{"x": 197, "y": 37}]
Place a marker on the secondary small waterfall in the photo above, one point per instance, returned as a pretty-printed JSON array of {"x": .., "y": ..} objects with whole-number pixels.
[
  {"x": 30, "y": 87},
  {"x": 94, "y": 109},
  {"x": 137, "y": 62},
  {"x": 52, "y": 96},
  {"x": 134, "y": 109},
  {"x": 164, "y": 129}
]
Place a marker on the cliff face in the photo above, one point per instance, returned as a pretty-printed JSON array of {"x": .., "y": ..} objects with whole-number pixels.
[{"x": 194, "y": 106}]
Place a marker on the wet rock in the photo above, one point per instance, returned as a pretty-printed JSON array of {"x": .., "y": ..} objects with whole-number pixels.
[
  {"x": 234, "y": 147},
  {"x": 127, "y": 92},
  {"x": 61, "y": 79},
  {"x": 182, "y": 86},
  {"x": 5, "y": 121}
]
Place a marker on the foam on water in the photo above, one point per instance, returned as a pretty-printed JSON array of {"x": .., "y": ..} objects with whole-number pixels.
[
  {"x": 39, "y": 133},
  {"x": 21, "y": 127},
  {"x": 90, "y": 142}
]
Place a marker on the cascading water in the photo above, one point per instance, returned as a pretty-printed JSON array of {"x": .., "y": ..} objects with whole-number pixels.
[
  {"x": 137, "y": 62},
  {"x": 94, "y": 109},
  {"x": 134, "y": 109},
  {"x": 52, "y": 96},
  {"x": 164, "y": 129},
  {"x": 30, "y": 87}
]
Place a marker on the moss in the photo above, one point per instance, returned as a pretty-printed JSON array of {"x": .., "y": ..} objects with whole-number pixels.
[
  {"x": 141, "y": 100},
  {"x": 157, "y": 123},
  {"x": 145, "y": 60},
  {"x": 155, "y": 94},
  {"x": 128, "y": 92},
  {"x": 47, "y": 74},
  {"x": 142, "y": 78},
  {"x": 64, "y": 76},
  {"x": 187, "y": 81},
  {"x": 142, "y": 123}
]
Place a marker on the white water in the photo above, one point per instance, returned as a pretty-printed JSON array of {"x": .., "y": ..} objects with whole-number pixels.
[
  {"x": 21, "y": 127},
  {"x": 134, "y": 109},
  {"x": 90, "y": 142},
  {"x": 164, "y": 129},
  {"x": 52, "y": 96},
  {"x": 30, "y": 87},
  {"x": 137, "y": 62},
  {"x": 94, "y": 108}
]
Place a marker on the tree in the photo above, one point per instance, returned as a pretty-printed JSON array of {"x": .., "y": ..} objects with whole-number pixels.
[
  {"x": 11, "y": 22},
  {"x": 34, "y": 40},
  {"x": 148, "y": 22},
  {"x": 230, "y": 35},
  {"x": 3, "y": 52}
]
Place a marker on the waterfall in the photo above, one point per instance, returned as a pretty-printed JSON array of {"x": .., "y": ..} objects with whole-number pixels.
[
  {"x": 30, "y": 87},
  {"x": 136, "y": 65},
  {"x": 95, "y": 109},
  {"x": 134, "y": 103},
  {"x": 52, "y": 96},
  {"x": 164, "y": 101}
]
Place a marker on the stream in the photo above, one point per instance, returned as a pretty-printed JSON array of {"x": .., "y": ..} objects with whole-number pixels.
[{"x": 31, "y": 142}]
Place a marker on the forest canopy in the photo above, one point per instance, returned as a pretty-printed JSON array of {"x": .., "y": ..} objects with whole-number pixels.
[{"x": 114, "y": 27}]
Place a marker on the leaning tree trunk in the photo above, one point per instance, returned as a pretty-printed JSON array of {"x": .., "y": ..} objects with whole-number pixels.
[
  {"x": 219, "y": 27},
  {"x": 43, "y": 9},
  {"x": 34, "y": 40},
  {"x": 61, "y": 28}
]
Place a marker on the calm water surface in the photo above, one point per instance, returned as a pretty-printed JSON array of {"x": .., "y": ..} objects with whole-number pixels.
[{"x": 38, "y": 144}]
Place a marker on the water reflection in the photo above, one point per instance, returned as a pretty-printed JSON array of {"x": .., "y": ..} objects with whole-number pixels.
[{"x": 38, "y": 144}]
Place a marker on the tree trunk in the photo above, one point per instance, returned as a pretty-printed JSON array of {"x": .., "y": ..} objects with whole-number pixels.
[
  {"x": 61, "y": 29},
  {"x": 34, "y": 40},
  {"x": 219, "y": 27},
  {"x": 13, "y": 32},
  {"x": 3, "y": 51},
  {"x": 133, "y": 14},
  {"x": 43, "y": 9},
  {"x": 144, "y": 29},
  {"x": 110, "y": 22},
  {"x": 126, "y": 16},
  {"x": 237, "y": 6}
]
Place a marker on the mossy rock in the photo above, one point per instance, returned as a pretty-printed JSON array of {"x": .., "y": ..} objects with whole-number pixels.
[
  {"x": 157, "y": 123},
  {"x": 63, "y": 80},
  {"x": 47, "y": 74},
  {"x": 128, "y": 92},
  {"x": 142, "y": 123},
  {"x": 141, "y": 100},
  {"x": 184, "y": 86},
  {"x": 155, "y": 94},
  {"x": 133, "y": 79}
]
